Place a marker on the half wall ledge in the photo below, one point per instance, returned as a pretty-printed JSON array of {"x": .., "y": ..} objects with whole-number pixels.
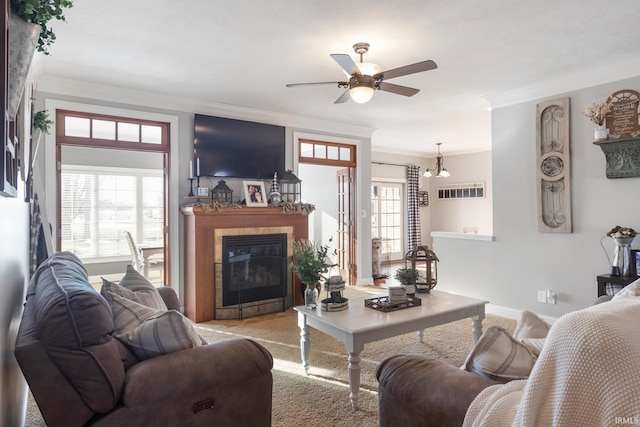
[{"x": 463, "y": 236}]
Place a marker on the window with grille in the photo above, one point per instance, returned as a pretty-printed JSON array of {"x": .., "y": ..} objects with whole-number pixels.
[
  {"x": 107, "y": 131},
  {"x": 467, "y": 190},
  {"x": 326, "y": 153},
  {"x": 98, "y": 204},
  {"x": 387, "y": 218}
]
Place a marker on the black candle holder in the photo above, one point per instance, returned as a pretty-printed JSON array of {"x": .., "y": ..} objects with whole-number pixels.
[{"x": 191, "y": 187}]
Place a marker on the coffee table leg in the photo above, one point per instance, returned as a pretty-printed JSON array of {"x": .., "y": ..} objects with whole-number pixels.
[
  {"x": 421, "y": 335},
  {"x": 354, "y": 379},
  {"x": 477, "y": 328},
  {"x": 305, "y": 341}
]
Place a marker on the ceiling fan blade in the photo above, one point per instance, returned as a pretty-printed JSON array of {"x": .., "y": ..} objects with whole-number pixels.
[
  {"x": 346, "y": 63},
  {"x": 397, "y": 89},
  {"x": 408, "y": 69},
  {"x": 343, "y": 98},
  {"x": 316, "y": 84}
]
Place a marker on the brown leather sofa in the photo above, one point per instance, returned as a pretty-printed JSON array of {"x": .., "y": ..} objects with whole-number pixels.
[{"x": 79, "y": 374}]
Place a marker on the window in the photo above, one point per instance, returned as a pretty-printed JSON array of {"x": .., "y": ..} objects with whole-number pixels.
[
  {"x": 326, "y": 153},
  {"x": 115, "y": 132},
  {"x": 470, "y": 190},
  {"x": 387, "y": 218},
  {"x": 98, "y": 204}
]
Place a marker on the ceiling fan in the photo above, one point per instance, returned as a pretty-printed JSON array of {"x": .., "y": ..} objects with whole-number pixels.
[{"x": 365, "y": 77}]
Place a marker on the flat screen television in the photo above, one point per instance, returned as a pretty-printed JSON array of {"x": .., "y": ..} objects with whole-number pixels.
[{"x": 237, "y": 148}]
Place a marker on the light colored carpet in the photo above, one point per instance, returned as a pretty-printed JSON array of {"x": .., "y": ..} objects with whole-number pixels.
[{"x": 322, "y": 398}]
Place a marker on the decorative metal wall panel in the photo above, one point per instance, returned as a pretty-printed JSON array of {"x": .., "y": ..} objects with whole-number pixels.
[{"x": 553, "y": 168}]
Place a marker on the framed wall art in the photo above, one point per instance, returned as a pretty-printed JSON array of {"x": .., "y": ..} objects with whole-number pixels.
[{"x": 254, "y": 193}]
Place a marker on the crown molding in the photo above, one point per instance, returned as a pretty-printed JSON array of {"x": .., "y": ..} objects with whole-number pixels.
[{"x": 105, "y": 93}]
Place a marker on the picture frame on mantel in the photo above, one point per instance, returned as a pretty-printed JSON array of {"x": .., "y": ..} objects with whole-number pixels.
[{"x": 255, "y": 194}]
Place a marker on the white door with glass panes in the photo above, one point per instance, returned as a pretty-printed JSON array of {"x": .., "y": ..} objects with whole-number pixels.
[{"x": 387, "y": 218}]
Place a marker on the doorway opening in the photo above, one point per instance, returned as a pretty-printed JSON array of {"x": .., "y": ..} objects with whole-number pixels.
[
  {"x": 329, "y": 171},
  {"x": 112, "y": 180}
]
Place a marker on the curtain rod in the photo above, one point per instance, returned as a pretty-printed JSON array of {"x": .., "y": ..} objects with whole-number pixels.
[{"x": 390, "y": 164}]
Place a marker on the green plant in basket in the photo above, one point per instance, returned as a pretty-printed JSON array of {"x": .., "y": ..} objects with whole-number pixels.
[
  {"x": 40, "y": 12},
  {"x": 406, "y": 276},
  {"x": 312, "y": 259}
]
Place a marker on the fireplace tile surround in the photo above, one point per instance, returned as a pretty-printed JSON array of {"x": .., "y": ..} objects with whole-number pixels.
[
  {"x": 203, "y": 233},
  {"x": 252, "y": 308}
]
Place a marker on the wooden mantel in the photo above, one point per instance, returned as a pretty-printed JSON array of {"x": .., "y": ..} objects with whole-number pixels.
[{"x": 200, "y": 227}]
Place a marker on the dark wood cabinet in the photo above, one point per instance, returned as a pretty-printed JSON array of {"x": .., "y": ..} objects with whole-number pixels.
[{"x": 604, "y": 279}]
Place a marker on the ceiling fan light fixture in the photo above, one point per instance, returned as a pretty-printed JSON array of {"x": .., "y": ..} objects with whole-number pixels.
[
  {"x": 361, "y": 94},
  {"x": 361, "y": 88},
  {"x": 368, "y": 68}
]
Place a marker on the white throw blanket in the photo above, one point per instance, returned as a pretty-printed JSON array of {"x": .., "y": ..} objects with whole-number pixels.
[{"x": 588, "y": 374}]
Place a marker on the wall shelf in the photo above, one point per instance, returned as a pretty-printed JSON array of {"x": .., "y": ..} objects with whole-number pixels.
[{"x": 622, "y": 156}]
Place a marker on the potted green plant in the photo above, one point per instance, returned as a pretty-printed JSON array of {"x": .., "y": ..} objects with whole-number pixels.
[
  {"x": 312, "y": 260},
  {"x": 41, "y": 121},
  {"x": 28, "y": 31},
  {"x": 407, "y": 277},
  {"x": 40, "y": 12}
]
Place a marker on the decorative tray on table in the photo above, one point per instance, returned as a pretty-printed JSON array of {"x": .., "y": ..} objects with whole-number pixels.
[{"x": 383, "y": 304}]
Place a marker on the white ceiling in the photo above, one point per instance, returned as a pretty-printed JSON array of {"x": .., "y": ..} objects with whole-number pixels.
[{"x": 242, "y": 53}]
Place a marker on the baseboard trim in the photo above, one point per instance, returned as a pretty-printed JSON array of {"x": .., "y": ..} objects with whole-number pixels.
[{"x": 512, "y": 313}]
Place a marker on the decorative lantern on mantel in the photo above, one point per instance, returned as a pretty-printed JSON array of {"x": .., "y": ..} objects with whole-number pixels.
[
  {"x": 222, "y": 193},
  {"x": 290, "y": 188},
  {"x": 424, "y": 261}
]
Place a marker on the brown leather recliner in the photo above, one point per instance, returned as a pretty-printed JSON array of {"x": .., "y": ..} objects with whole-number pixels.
[
  {"x": 79, "y": 374},
  {"x": 419, "y": 391}
]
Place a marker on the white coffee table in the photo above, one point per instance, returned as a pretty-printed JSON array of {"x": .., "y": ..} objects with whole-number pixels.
[{"x": 359, "y": 325}]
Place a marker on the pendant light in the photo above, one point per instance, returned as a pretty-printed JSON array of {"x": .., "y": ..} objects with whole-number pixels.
[{"x": 440, "y": 170}]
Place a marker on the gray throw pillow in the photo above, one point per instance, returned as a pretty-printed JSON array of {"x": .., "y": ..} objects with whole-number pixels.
[
  {"x": 149, "y": 332},
  {"x": 136, "y": 287}
]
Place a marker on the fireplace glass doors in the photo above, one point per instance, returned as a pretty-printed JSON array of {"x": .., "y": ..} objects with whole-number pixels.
[{"x": 254, "y": 268}]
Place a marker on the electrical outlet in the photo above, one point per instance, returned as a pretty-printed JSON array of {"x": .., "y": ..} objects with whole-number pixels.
[
  {"x": 551, "y": 297},
  {"x": 542, "y": 296}
]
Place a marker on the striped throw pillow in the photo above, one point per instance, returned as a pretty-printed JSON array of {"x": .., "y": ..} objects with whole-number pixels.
[
  {"x": 149, "y": 332},
  {"x": 499, "y": 356}
]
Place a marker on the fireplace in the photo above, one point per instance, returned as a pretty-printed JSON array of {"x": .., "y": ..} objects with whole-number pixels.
[
  {"x": 204, "y": 231},
  {"x": 254, "y": 268}
]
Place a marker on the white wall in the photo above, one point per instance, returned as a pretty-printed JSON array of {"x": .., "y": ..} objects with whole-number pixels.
[
  {"x": 454, "y": 214},
  {"x": 509, "y": 271}
]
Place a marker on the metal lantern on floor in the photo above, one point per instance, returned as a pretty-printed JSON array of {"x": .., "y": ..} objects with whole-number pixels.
[
  {"x": 290, "y": 188},
  {"x": 222, "y": 193},
  {"x": 424, "y": 260}
]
